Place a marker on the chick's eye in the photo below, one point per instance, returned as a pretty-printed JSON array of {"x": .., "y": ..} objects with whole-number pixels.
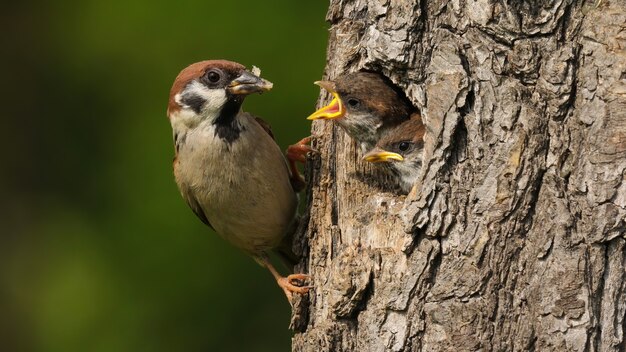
[
  {"x": 404, "y": 146},
  {"x": 353, "y": 102},
  {"x": 213, "y": 76}
]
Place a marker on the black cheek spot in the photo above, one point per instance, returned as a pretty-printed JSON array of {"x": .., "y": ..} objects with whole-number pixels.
[{"x": 195, "y": 102}]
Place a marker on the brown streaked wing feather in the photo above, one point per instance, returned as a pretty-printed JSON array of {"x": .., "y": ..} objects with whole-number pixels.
[
  {"x": 266, "y": 126},
  {"x": 195, "y": 207},
  {"x": 296, "y": 183}
]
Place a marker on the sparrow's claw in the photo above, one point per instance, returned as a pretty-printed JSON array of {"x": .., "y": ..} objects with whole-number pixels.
[
  {"x": 300, "y": 150},
  {"x": 290, "y": 284},
  {"x": 298, "y": 279},
  {"x": 298, "y": 153},
  {"x": 293, "y": 283}
]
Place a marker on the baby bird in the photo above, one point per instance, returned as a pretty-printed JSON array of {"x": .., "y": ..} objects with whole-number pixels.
[
  {"x": 228, "y": 167},
  {"x": 402, "y": 148},
  {"x": 366, "y": 105}
]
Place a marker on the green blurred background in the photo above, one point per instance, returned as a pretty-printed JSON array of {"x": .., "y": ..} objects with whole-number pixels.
[{"x": 98, "y": 252}]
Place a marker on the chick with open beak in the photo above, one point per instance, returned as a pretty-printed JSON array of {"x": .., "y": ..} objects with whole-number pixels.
[
  {"x": 402, "y": 149},
  {"x": 365, "y": 105}
]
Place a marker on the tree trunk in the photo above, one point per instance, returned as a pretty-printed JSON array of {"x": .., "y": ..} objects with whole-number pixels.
[{"x": 514, "y": 238}]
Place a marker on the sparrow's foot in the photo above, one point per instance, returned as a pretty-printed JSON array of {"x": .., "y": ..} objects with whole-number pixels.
[
  {"x": 290, "y": 284},
  {"x": 298, "y": 153},
  {"x": 293, "y": 283},
  {"x": 300, "y": 150}
]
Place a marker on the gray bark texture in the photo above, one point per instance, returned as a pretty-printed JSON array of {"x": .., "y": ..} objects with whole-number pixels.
[{"x": 514, "y": 237}]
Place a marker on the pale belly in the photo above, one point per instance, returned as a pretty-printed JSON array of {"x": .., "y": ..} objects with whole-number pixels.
[{"x": 244, "y": 192}]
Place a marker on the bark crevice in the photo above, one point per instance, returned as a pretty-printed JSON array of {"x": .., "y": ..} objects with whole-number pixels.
[{"x": 514, "y": 237}]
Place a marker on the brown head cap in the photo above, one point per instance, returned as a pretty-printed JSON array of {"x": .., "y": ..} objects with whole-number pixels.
[
  {"x": 376, "y": 94},
  {"x": 412, "y": 130},
  {"x": 195, "y": 71}
]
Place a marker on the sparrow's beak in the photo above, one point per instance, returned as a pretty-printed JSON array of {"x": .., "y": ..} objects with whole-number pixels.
[
  {"x": 249, "y": 83},
  {"x": 334, "y": 109},
  {"x": 378, "y": 155}
]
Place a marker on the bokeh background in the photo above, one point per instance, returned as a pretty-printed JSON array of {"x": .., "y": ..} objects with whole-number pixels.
[{"x": 98, "y": 252}]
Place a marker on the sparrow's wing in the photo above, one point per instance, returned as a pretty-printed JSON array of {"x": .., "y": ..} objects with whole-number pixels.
[
  {"x": 185, "y": 191},
  {"x": 295, "y": 180},
  {"x": 195, "y": 206},
  {"x": 266, "y": 126}
]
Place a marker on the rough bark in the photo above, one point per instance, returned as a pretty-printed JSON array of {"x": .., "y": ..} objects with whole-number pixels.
[{"x": 514, "y": 238}]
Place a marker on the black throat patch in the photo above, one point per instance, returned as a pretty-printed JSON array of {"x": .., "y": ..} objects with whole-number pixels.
[{"x": 226, "y": 125}]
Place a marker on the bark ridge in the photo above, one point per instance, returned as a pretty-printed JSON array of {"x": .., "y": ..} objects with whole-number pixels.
[{"x": 514, "y": 238}]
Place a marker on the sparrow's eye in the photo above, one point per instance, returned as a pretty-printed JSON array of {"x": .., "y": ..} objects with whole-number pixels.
[
  {"x": 404, "y": 146},
  {"x": 213, "y": 76},
  {"x": 353, "y": 102}
]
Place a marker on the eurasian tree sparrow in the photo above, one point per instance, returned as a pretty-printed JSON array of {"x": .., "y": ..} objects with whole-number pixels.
[
  {"x": 228, "y": 167},
  {"x": 402, "y": 148},
  {"x": 366, "y": 105}
]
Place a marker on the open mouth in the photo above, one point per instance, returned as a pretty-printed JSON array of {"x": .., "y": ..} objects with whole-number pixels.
[{"x": 334, "y": 109}]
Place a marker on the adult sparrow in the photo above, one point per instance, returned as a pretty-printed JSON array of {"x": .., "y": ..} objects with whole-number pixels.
[{"x": 228, "y": 167}]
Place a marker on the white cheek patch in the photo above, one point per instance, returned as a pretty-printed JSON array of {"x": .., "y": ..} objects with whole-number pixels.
[
  {"x": 183, "y": 119},
  {"x": 213, "y": 99},
  {"x": 198, "y": 103},
  {"x": 178, "y": 100}
]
